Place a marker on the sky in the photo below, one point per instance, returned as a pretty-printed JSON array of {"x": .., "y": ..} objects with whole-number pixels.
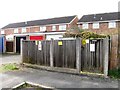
[{"x": 12, "y": 11}]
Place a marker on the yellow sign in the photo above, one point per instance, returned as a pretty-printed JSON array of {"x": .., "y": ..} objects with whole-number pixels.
[{"x": 60, "y": 43}]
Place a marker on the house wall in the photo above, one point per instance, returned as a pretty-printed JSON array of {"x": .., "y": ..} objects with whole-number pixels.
[
  {"x": 113, "y": 32},
  {"x": 73, "y": 23},
  {"x": 33, "y": 29},
  {"x": 48, "y": 28},
  {"x": 9, "y": 31}
]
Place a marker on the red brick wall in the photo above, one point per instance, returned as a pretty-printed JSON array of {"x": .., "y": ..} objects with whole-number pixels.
[
  {"x": 57, "y": 27},
  {"x": 74, "y": 22},
  {"x": 28, "y": 29},
  {"x": 35, "y": 29},
  {"x": 113, "y": 32},
  {"x": 9, "y": 31},
  {"x": 103, "y": 28},
  {"x": 49, "y": 28},
  {"x": 19, "y": 30}
]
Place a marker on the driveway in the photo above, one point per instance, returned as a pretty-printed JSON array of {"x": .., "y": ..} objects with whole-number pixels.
[
  {"x": 54, "y": 79},
  {"x": 10, "y": 58}
]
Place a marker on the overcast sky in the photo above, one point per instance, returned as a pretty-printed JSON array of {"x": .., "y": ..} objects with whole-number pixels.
[{"x": 12, "y": 11}]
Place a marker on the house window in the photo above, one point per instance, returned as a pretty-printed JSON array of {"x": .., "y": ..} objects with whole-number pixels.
[
  {"x": 85, "y": 26},
  {"x": 112, "y": 24},
  {"x": 2, "y": 32},
  {"x": 23, "y": 30},
  {"x": 42, "y": 28},
  {"x": 62, "y": 27},
  {"x": 53, "y": 28},
  {"x": 96, "y": 25},
  {"x": 16, "y": 30}
]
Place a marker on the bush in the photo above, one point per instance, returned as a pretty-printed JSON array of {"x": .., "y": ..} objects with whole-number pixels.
[
  {"x": 114, "y": 73},
  {"x": 84, "y": 35}
]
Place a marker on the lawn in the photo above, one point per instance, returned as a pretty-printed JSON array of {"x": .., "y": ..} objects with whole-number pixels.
[{"x": 8, "y": 67}]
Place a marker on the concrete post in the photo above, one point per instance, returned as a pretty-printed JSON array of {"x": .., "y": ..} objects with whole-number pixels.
[
  {"x": 51, "y": 53},
  {"x": 78, "y": 55},
  {"x": 106, "y": 56},
  {"x": 21, "y": 46}
]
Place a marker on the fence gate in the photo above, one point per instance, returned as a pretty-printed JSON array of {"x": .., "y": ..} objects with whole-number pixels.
[{"x": 93, "y": 56}]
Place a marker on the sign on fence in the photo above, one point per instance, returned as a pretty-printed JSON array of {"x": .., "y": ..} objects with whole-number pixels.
[
  {"x": 39, "y": 46},
  {"x": 92, "y": 47},
  {"x": 60, "y": 43},
  {"x": 87, "y": 40},
  {"x": 36, "y": 42}
]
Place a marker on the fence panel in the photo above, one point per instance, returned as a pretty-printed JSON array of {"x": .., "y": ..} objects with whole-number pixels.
[
  {"x": 92, "y": 61},
  {"x": 32, "y": 55},
  {"x": 65, "y": 54}
]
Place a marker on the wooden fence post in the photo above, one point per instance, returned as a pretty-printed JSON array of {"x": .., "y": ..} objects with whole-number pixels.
[
  {"x": 106, "y": 55},
  {"x": 51, "y": 53},
  {"x": 78, "y": 55}
]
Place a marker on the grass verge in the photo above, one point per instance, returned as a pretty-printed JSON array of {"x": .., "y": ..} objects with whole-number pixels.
[{"x": 8, "y": 67}]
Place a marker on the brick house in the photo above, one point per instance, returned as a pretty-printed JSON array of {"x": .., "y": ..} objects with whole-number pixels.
[
  {"x": 36, "y": 30},
  {"x": 104, "y": 23}
]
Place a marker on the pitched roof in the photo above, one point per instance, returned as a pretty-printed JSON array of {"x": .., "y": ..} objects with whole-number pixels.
[
  {"x": 100, "y": 17},
  {"x": 58, "y": 20}
]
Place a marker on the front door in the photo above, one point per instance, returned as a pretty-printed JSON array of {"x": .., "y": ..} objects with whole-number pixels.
[{"x": 18, "y": 43}]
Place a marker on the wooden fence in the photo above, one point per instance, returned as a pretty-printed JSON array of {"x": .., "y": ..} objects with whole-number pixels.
[
  {"x": 92, "y": 57},
  {"x": 63, "y": 52},
  {"x": 93, "y": 60}
]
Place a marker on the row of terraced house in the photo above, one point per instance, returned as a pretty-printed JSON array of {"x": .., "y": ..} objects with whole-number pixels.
[{"x": 45, "y": 29}]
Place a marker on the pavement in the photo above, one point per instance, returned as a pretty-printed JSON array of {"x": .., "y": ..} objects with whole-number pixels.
[
  {"x": 54, "y": 79},
  {"x": 50, "y": 79},
  {"x": 10, "y": 58}
]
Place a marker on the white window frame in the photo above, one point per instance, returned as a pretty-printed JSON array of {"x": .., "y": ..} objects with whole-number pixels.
[
  {"x": 96, "y": 25},
  {"x": 24, "y": 30},
  {"x": 62, "y": 27},
  {"x": 42, "y": 28},
  {"x": 2, "y": 32},
  {"x": 112, "y": 24},
  {"x": 85, "y": 26},
  {"x": 53, "y": 28},
  {"x": 16, "y": 30}
]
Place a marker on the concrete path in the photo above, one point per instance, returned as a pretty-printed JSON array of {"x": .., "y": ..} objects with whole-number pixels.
[
  {"x": 10, "y": 58},
  {"x": 54, "y": 79}
]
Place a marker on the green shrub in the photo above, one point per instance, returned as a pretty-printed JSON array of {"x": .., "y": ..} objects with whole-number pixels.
[{"x": 114, "y": 73}]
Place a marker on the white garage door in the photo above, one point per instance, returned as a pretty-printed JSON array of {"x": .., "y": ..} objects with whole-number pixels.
[{"x": 55, "y": 37}]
